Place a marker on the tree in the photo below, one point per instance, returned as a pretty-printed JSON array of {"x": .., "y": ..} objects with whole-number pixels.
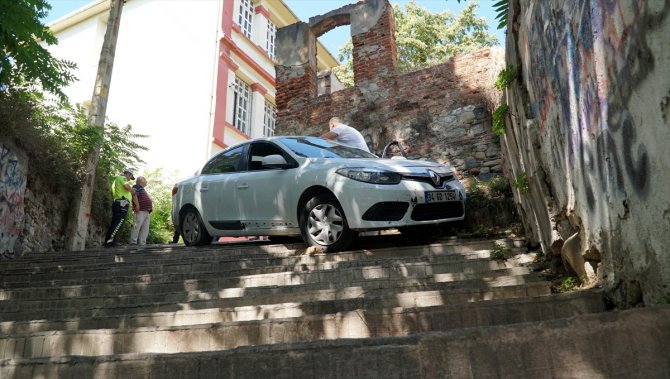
[
  {"x": 424, "y": 38},
  {"x": 22, "y": 59}
]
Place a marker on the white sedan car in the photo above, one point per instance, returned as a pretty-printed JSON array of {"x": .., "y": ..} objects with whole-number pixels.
[{"x": 314, "y": 188}]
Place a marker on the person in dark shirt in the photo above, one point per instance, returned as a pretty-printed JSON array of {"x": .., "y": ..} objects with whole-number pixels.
[{"x": 142, "y": 208}]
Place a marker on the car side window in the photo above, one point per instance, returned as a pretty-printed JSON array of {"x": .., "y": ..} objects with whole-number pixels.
[
  {"x": 259, "y": 150},
  {"x": 228, "y": 161}
]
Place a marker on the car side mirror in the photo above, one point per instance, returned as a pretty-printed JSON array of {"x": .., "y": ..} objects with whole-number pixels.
[{"x": 274, "y": 161}]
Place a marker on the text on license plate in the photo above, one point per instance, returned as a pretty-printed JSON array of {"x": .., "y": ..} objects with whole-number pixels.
[{"x": 437, "y": 196}]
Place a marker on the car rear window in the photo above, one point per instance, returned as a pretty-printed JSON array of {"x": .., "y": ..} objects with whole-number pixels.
[{"x": 313, "y": 147}]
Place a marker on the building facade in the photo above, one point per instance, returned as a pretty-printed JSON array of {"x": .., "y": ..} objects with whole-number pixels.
[{"x": 194, "y": 76}]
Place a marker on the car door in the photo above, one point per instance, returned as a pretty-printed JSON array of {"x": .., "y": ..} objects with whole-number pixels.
[
  {"x": 267, "y": 197},
  {"x": 217, "y": 190}
]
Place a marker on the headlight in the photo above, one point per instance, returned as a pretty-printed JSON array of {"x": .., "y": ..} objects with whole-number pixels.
[{"x": 370, "y": 175}]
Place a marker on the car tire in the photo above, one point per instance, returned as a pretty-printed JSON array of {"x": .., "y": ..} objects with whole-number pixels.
[
  {"x": 193, "y": 230},
  {"x": 324, "y": 225}
]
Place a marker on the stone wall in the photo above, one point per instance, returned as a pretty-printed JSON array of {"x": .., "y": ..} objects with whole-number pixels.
[
  {"x": 33, "y": 213},
  {"x": 590, "y": 126},
  {"x": 442, "y": 113},
  {"x": 13, "y": 171}
]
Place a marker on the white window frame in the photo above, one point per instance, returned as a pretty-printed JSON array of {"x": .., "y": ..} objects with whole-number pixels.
[
  {"x": 246, "y": 17},
  {"x": 269, "y": 119},
  {"x": 242, "y": 106},
  {"x": 270, "y": 40}
]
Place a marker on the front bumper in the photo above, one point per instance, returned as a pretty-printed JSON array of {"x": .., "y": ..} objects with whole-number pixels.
[{"x": 373, "y": 207}]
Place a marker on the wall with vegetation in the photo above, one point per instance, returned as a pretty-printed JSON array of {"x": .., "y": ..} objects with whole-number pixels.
[
  {"x": 588, "y": 135},
  {"x": 33, "y": 211},
  {"x": 12, "y": 196}
]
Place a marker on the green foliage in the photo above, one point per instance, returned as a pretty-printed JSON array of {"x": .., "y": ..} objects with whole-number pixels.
[
  {"x": 477, "y": 196},
  {"x": 424, "y": 38},
  {"x": 502, "y": 10},
  {"x": 23, "y": 61},
  {"x": 498, "y": 186},
  {"x": 505, "y": 77},
  {"x": 57, "y": 138},
  {"x": 159, "y": 187},
  {"x": 568, "y": 285},
  {"x": 500, "y": 251},
  {"x": 499, "y": 119},
  {"x": 345, "y": 71},
  {"x": 521, "y": 183}
]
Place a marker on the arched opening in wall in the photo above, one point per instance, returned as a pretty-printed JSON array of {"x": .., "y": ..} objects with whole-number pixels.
[
  {"x": 335, "y": 68},
  {"x": 337, "y": 44}
]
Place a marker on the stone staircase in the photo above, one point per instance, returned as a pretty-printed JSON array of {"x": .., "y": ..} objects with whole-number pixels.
[{"x": 254, "y": 310}]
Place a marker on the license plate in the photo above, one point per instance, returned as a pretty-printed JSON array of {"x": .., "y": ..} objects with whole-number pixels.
[{"x": 438, "y": 196}]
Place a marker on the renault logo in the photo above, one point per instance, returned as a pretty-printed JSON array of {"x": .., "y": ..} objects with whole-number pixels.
[{"x": 434, "y": 177}]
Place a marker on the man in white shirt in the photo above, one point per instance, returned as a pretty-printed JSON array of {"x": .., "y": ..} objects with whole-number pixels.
[{"x": 345, "y": 134}]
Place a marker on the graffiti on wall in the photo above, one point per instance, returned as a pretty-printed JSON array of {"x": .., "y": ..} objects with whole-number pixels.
[
  {"x": 12, "y": 189},
  {"x": 583, "y": 70}
]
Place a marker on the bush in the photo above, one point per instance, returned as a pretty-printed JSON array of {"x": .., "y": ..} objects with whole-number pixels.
[
  {"x": 57, "y": 139},
  {"x": 477, "y": 196},
  {"x": 499, "y": 186}
]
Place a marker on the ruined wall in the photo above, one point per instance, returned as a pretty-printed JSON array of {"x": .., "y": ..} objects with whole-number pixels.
[
  {"x": 590, "y": 126},
  {"x": 443, "y": 112}
]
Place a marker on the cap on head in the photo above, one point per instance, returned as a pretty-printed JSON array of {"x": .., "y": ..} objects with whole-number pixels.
[{"x": 131, "y": 172}]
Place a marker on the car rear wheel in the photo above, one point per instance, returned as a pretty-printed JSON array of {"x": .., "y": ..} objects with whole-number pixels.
[
  {"x": 323, "y": 224},
  {"x": 193, "y": 230}
]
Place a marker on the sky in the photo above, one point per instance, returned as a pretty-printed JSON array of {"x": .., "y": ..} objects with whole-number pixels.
[{"x": 305, "y": 9}]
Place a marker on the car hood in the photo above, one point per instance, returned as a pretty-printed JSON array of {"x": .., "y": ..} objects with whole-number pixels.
[{"x": 406, "y": 166}]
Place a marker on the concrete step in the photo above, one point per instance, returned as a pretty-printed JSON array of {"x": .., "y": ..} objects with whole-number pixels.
[
  {"x": 381, "y": 292},
  {"x": 149, "y": 271},
  {"x": 627, "y": 344},
  {"x": 211, "y": 279},
  {"x": 459, "y": 315},
  {"x": 222, "y": 335},
  {"x": 57, "y": 262}
]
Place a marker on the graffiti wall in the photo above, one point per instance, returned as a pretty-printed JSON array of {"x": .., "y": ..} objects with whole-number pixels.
[
  {"x": 590, "y": 128},
  {"x": 12, "y": 191}
]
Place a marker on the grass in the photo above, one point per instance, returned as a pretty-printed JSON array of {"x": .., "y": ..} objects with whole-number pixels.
[
  {"x": 500, "y": 251},
  {"x": 568, "y": 285}
]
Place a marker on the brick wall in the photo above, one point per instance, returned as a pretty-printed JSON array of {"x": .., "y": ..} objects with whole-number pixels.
[
  {"x": 374, "y": 52},
  {"x": 443, "y": 112}
]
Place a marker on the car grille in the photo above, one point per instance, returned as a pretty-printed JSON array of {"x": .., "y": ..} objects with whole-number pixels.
[
  {"x": 436, "y": 211},
  {"x": 386, "y": 211},
  {"x": 426, "y": 179}
]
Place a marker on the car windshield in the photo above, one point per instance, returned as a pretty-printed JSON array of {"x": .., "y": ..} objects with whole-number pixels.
[{"x": 314, "y": 147}]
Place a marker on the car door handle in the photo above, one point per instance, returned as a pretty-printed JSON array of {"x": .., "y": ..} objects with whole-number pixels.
[
  {"x": 204, "y": 189},
  {"x": 243, "y": 186}
]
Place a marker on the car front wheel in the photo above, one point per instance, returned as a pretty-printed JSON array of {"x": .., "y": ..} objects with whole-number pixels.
[
  {"x": 193, "y": 230},
  {"x": 323, "y": 224}
]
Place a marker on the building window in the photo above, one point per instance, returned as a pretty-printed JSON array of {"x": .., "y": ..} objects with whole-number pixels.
[
  {"x": 242, "y": 106},
  {"x": 246, "y": 17},
  {"x": 269, "y": 119},
  {"x": 270, "y": 45}
]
